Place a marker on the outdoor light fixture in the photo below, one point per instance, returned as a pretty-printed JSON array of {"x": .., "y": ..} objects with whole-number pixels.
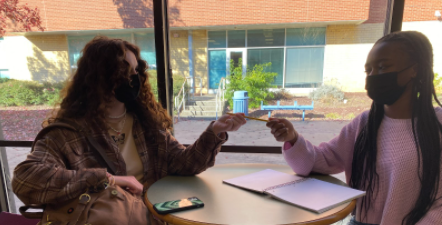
[{"x": 438, "y": 15}]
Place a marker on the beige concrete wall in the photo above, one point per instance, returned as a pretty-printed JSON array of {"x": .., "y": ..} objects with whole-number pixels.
[
  {"x": 179, "y": 53},
  {"x": 433, "y": 30},
  {"x": 38, "y": 58},
  {"x": 345, "y": 54},
  {"x": 347, "y": 48},
  {"x": 200, "y": 61}
]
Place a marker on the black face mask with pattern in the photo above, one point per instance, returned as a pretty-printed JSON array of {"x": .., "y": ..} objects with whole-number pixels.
[
  {"x": 384, "y": 89},
  {"x": 128, "y": 91}
]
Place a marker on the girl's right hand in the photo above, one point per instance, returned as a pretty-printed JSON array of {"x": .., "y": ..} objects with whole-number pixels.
[
  {"x": 283, "y": 130},
  {"x": 129, "y": 183}
]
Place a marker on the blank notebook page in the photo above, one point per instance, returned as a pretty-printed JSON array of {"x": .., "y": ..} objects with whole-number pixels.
[
  {"x": 261, "y": 180},
  {"x": 315, "y": 194}
]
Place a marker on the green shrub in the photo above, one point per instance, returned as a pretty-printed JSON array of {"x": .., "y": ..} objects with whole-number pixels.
[
  {"x": 333, "y": 116},
  {"x": 22, "y": 93},
  {"x": 437, "y": 83},
  {"x": 350, "y": 116},
  {"x": 178, "y": 81},
  {"x": 327, "y": 91},
  {"x": 281, "y": 94},
  {"x": 256, "y": 82}
]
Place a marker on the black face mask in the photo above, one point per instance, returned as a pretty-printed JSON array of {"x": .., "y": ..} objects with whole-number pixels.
[
  {"x": 383, "y": 88},
  {"x": 127, "y": 92}
]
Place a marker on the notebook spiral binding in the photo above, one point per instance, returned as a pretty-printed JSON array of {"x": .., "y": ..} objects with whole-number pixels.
[{"x": 285, "y": 184}]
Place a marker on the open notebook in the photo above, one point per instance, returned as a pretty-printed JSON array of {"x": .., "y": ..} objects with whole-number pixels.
[{"x": 308, "y": 193}]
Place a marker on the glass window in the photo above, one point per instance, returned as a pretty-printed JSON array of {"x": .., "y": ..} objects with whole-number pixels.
[
  {"x": 76, "y": 44},
  {"x": 263, "y": 56},
  {"x": 217, "y": 39},
  {"x": 4, "y": 71},
  {"x": 236, "y": 38},
  {"x": 306, "y": 36},
  {"x": 217, "y": 67},
  {"x": 146, "y": 42},
  {"x": 304, "y": 67},
  {"x": 265, "y": 38}
]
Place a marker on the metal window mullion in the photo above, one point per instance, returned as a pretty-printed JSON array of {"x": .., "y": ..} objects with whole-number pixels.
[{"x": 164, "y": 71}]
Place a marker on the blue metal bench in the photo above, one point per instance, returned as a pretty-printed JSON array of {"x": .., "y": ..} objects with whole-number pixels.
[{"x": 295, "y": 106}]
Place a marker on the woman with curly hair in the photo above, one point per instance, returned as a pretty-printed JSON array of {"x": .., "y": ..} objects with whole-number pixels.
[{"x": 110, "y": 96}]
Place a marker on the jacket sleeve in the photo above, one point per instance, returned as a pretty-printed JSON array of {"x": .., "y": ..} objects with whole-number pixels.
[
  {"x": 197, "y": 157},
  {"x": 43, "y": 177},
  {"x": 330, "y": 157}
]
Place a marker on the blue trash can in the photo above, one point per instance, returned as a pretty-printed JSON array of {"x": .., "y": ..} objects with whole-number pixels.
[{"x": 241, "y": 102}]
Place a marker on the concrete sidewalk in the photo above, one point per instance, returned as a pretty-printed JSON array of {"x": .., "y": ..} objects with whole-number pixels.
[{"x": 256, "y": 132}]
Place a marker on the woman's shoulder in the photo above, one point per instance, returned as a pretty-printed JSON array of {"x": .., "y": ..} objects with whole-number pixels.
[{"x": 360, "y": 120}]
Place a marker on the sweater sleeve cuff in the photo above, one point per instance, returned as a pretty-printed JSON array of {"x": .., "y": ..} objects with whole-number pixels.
[
  {"x": 298, "y": 157},
  {"x": 287, "y": 145},
  {"x": 97, "y": 182},
  {"x": 221, "y": 138}
]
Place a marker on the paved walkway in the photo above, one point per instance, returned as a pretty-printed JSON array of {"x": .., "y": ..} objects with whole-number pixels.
[{"x": 252, "y": 133}]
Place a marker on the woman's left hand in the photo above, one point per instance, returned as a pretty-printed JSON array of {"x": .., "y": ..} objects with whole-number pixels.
[{"x": 228, "y": 123}]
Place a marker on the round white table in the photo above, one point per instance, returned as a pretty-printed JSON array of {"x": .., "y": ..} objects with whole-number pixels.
[{"x": 226, "y": 204}]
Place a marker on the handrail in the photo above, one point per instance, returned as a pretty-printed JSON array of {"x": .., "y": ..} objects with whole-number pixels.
[
  {"x": 183, "y": 92},
  {"x": 220, "y": 95}
]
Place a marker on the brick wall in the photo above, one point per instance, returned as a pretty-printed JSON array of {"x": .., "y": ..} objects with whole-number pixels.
[
  {"x": 421, "y": 10},
  {"x": 117, "y": 14}
]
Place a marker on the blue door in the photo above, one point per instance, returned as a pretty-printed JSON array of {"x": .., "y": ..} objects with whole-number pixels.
[{"x": 217, "y": 67}]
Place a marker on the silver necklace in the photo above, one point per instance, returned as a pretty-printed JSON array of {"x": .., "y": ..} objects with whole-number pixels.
[
  {"x": 119, "y": 116},
  {"x": 119, "y": 131}
]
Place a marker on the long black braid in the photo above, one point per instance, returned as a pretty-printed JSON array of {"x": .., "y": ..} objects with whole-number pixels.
[{"x": 426, "y": 132}]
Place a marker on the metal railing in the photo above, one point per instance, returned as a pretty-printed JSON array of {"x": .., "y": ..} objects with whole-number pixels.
[
  {"x": 220, "y": 101},
  {"x": 180, "y": 99}
]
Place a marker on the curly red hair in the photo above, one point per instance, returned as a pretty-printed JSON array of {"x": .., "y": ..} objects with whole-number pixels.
[{"x": 101, "y": 68}]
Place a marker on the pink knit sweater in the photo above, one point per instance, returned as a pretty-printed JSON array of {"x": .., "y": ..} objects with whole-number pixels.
[{"x": 397, "y": 163}]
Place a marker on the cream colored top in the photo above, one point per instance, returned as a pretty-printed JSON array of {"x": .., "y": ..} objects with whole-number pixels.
[{"x": 126, "y": 144}]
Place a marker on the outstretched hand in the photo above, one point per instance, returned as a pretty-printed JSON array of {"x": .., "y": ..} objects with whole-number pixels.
[
  {"x": 282, "y": 130},
  {"x": 228, "y": 123}
]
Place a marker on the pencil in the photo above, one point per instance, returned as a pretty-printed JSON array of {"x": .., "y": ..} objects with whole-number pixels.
[{"x": 248, "y": 117}]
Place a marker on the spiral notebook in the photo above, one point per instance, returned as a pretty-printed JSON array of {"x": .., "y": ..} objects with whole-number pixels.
[{"x": 308, "y": 193}]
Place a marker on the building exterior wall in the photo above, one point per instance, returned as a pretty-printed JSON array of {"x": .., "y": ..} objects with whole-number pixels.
[
  {"x": 60, "y": 15},
  {"x": 433, "y": 30},
  {"x": 200, "y": 62},
  {"x": 179, "y": 53},
  {"x": 39, "y": 58},
  {"x": 347, "y": 48},
  {"x": 345, "y": 53}
]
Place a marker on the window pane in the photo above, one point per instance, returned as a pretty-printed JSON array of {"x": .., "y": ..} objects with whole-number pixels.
[
  {"x": 275, "y": 56},
  {"x": 11, "y": 157},
  {"x": 308, "y": 44},
  {"x": 217, "y": 39},
  {"x": 237, "y": 38},
  {"x": 76, "y": 44},
  {"x": 265, "y": 38},
  {"x": 146, "y": 42},
  {"x": 38, "y": 63},
  {"x": 4, "y": 71},
  {"x": 304, "y": 67},
  {"x": 217, "y": 67},
  {"x": 306, "y": 36}
]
